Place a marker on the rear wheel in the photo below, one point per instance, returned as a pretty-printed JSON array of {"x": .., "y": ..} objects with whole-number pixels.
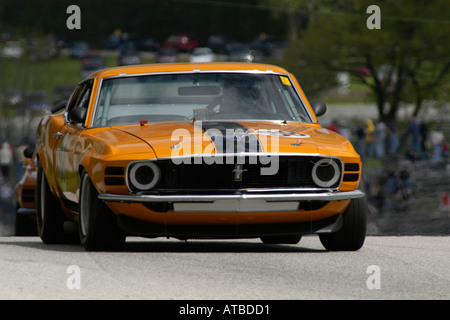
[
  {"x": 97, "y": 225},
  {"x": 353, "y": 232},
  {"x": 289, "y": 239},
  {"x": 49, "y": 216}
]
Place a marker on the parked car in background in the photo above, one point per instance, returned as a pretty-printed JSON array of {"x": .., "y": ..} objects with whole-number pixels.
[
  {"x": 202, "y": 54},
  {"x": 91, "y": 61},
  {"x": 182, "y": 42},
  {"x": 210, "y": 150},
  {"x": 129, "y": 55},
  {"x": 36, "y": 102},
  {"x": 42, "y": 48},
  {"x": 243, "y": 53},
  {"x": 149, "y": 45},
  {"x": 218, "y": 44},
  {"x": 11, "y": 96},
  {"x": 79, "y": 49},
  {"x": 167, "y": 55},
  {"x": 62, "y": 92},
  {"x": 12, "y": 50},
  {"x": 265, "y": 44}
]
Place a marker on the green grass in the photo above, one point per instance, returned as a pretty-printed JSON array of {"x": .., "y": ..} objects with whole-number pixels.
[{"x": 45, "y": 75}]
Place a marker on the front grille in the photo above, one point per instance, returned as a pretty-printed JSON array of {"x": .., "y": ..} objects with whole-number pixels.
[
  {"x": 117, "y": 178},
  {"x": 293, "y": 172},
  {"x": 28, "y": 195}
]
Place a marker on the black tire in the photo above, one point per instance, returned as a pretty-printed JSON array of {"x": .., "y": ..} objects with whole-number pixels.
[
  {"x": 49, "y": 216},
  {"x": 24, "y": 226},
  {"x": 352, "y": 235},
  {"x": 289, "y": 239},
  {"x": 97, "y": 224}
]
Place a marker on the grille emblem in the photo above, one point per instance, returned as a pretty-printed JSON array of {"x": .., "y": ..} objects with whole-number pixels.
[{"x": 238, "y": 171}]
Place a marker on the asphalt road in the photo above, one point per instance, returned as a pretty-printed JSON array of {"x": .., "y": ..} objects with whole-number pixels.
[{"x": 385, "y": 268}]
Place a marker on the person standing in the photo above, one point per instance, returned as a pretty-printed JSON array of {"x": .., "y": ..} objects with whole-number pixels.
[
  {"x": 361, "y": 139},
  {"x": 380, "y": 139},
  {"x": 423, "y": 130},
  {"x": 414, "y": 131},
  {"x": 6, "y": 158},
  {"x": 370, "y": 128},
  {"x": 437, "y": 139},
  {"x": 393, "y": 141}
]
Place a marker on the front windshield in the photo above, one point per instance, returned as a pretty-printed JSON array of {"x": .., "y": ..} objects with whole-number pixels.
[{"x": 198, "y": 96}]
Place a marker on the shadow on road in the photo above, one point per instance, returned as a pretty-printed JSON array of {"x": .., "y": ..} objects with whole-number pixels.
[
  {"x": 169, "y": 246},
  {"x": 211, "y": 246}
]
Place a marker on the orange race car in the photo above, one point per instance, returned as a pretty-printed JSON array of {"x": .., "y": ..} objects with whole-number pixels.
[
  {"x": 25, "y": 190},
  {"x": 206, "y": 151}
]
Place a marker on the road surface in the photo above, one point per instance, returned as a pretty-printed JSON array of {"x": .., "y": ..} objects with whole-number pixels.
[{"x": 416, "y": 267}]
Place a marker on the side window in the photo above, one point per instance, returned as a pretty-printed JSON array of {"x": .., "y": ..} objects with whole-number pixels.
[{"x": 81, "y": 97}]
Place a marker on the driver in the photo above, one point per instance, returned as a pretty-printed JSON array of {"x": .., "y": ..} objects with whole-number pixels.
[{"x": 238, "y": 97}]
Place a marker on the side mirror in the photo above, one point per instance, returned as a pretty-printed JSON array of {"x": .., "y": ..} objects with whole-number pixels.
[
  {"x": 319, "y": 107},
  {"x": 59, "y": 106},
  {"x": 28, "y": 152},
  {"x": 78, "y": 114}
]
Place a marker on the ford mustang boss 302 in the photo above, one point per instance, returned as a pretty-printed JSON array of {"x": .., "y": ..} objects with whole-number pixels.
[{"x": 201, "y": 151}]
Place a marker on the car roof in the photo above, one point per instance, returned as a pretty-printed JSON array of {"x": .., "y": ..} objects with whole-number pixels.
[{"x": 186, "y": 67}]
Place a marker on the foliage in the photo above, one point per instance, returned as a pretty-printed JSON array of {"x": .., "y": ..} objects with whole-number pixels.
[{"x": 406, "y": 60}]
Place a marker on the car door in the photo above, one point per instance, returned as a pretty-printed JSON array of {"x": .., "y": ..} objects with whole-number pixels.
[{"x": 67, "y": 154}]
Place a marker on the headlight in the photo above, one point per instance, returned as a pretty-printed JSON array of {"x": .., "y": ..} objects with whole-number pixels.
[
  {"x": 326, "y": 173},
  {"x": 144, "y": 176}
]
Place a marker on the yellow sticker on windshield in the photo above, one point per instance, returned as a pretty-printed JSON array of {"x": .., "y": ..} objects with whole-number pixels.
[{"x": 285, "y": 81}]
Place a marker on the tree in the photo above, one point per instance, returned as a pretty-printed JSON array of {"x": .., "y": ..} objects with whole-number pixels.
[
  {"x": 294, "y": 14},
  {"x": 406, "y": 60}
]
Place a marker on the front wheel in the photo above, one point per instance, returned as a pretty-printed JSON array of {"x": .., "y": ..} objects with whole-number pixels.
[
  {"x": 97, "y": 225},
  {"x": 49, "y": 216},
  {"x": 353, "y": 232}
]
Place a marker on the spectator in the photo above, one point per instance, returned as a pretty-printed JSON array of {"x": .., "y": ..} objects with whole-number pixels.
[
  {"x": 6, "y": 158},
  {"x": 361, "y": 142},
  {"x": 393, "y": 140},
  {"x": 380, "y": 139},
  {"x": 423, "y": 129},
  {"x": 437, "y": 139},
  {"x": 370, "y": 128},
  {"x": 414, "y": 132},
  {"x": 445, "y": 150},
  {"x": 19, "y": 159},
  {"x": 344, "y": 131}
]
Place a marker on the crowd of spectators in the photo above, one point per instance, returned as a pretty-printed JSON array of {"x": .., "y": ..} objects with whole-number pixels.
[
  {"x": 391, "y": 186},
  {"x": 376, "y": 139}
]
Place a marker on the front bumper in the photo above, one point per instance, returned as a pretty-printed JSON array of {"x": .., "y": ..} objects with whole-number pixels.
[
  {"x": 239, "y": 202},
  {"x": 256, "y": 219}
]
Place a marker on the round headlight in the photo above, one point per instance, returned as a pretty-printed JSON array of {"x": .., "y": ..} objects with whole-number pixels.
[
  {"x": 144, "y": 175},
  {"x": 325, "y": 173}
]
